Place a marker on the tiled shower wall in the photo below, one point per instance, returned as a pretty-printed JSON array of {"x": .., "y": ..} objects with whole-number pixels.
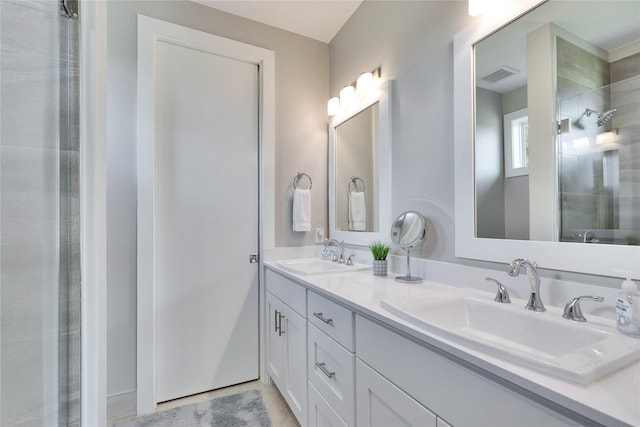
[
  {"x": 625, "y": 97},
  {"x": 593, "y": 195},
  {"x": 39, "y": 216}
]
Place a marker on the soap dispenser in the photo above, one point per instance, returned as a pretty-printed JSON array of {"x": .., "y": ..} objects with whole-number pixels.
[{"x": 628, "y": 309}]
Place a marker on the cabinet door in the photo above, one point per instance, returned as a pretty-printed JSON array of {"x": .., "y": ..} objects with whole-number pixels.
[
  {"x": 380, "y": 403},
  {"x": 275, "y": 354},
  {"x": 320, "y": 413},
  {"x": 294, "y": 330}
]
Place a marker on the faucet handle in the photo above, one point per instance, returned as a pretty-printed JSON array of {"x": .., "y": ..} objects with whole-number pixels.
[
  {"x": 572, "y": 310},
  {"x": 350, "y": 259},
  {"x": 503, "y": 295}
]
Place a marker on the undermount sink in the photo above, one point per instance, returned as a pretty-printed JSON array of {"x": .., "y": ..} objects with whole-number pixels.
[
  {"x": 318, "y": 266},
  {"x": 579, "y": 352}
]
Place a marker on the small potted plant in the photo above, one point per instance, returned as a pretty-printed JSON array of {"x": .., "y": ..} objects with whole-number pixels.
[
  {"x": 632, "y": 240},
  {"x": 379, "y": 250}
]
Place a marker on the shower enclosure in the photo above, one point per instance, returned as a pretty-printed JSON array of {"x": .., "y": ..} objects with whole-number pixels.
[
  {"x": 39, "y": 215},
  {"x": 599, "y": 157}
]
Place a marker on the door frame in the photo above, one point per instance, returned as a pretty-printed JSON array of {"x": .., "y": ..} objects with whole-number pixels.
[{"x": 150, "y": 32}]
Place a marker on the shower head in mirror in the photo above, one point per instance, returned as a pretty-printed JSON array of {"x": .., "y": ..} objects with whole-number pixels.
[{"x": 603, "y": 117}]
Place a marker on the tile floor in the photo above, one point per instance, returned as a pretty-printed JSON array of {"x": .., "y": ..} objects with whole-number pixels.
[{"x": 279, "y": 412}]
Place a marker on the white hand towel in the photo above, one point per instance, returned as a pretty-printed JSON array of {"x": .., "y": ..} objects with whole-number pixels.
[
  {"x": 357, "y": 211},
  {"x": 301, "y": 210}
]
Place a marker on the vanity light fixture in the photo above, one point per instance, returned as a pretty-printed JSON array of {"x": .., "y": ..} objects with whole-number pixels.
[
  {"x": 364, "y": 84},
  {"x": 333, "y": 106},
  {"x": 347, "y": 94}
]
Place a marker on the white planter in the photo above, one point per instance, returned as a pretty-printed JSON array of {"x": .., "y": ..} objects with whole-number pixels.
[{"x": 380, "y": 267}]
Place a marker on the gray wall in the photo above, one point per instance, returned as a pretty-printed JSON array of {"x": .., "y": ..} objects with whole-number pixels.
[
  {"x": 490, "y": 181},
  {"x": 302, "y": 81},
  {"x": 413, "y": 43},
  {"x": 516, "y": 188}
]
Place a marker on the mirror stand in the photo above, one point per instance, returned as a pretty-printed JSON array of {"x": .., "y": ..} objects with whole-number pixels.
[
  {"x": 409, "y": 231},
  {"x": 409, "y": 278}
]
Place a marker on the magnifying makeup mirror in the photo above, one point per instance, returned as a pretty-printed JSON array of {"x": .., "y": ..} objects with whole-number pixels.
[{"x": 408, "y": 231}]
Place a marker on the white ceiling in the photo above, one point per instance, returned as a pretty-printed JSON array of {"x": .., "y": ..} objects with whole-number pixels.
[
  {"x": 609, "y": 25},
  {"x": 317, "y": 19}
]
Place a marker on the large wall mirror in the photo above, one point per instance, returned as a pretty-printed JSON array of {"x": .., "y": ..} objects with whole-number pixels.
[
  {"x": 359, "y": 169},
  {"x": 548, "y": 135}
]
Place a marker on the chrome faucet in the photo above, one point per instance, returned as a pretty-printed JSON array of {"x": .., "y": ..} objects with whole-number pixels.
[
  {"x": 535, "y": 303},
  {"x": 572, "y": 310},
  {"x": 587, "y": 238},
  {"x": 503, "y": 295},
  {"x": 337, "y": 244}
]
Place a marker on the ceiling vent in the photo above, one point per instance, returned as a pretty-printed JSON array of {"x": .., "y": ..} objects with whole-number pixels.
[{"x": 499, "y": 74}]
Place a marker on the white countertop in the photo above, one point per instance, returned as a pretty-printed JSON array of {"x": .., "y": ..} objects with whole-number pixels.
[{"x": 612, "y": 400}]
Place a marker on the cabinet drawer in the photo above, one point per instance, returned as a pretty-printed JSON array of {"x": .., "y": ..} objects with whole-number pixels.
[
  {"x": 289, "y": 292},
  {"x": 333, "y": 319},
  {"x": 332, "y": 373},
  {"x": 320, "y": 413}
]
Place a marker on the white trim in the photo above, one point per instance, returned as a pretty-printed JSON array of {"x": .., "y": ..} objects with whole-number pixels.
[
  {"x": 93, "y": 178},
  {"x": 381, "y": 95},
  {"x": 150, "y": 32},
  {"x": 509, "y": 170},
  {"x": 590, "y": 259}
]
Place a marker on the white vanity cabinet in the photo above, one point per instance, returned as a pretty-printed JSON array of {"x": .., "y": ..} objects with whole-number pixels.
[
  {"x": 335, "y": 366},
  {"x": 331, "y": 361},
  {"x": 287, "y": 341},
  {"x": 458, "y": 395}
]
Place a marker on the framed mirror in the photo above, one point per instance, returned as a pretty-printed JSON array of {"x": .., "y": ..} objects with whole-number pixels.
[
  {"x": 486, "y": 190},
  {"x": 360, "y": 169}
]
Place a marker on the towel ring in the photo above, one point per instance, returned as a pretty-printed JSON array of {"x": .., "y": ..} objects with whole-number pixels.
[
  {"x": 297, "y": 178},
  {"x": 354, "y": 181}
]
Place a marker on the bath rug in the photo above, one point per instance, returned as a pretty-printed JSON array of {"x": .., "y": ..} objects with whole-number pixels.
[{"x": 244, "y": 409}]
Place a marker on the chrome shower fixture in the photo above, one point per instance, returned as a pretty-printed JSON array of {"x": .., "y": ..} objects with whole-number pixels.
[{"x": 603, "y": 117}]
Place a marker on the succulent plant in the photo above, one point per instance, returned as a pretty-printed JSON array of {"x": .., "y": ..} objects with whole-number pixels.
[{"x": 379, "y": 250}]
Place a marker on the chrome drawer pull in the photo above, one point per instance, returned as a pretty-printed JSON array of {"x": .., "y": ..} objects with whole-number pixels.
[
  {"x": 324, "y": 319},
  {"x": 276, "y": 313},
  {"x": 280, "y": 332},
  {"x": 325, "y": 370}
]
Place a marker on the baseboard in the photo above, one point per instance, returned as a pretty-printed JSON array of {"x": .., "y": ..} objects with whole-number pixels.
[{"x": 121, "y": 405}]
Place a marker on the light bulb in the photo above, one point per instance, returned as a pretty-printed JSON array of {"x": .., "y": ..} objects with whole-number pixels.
[
  {"x": 333, "y": 106},
  {"x": 346, "y": 96},
  {"x": 364, "y": 83}
]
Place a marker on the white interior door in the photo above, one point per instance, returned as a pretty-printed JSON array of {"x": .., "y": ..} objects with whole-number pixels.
[
  {"x": 201, "y": 153},
  {"x": 207, "y": 221}
]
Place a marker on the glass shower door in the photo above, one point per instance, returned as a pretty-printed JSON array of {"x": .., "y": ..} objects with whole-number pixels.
[{"x": 39, "y": 216}]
